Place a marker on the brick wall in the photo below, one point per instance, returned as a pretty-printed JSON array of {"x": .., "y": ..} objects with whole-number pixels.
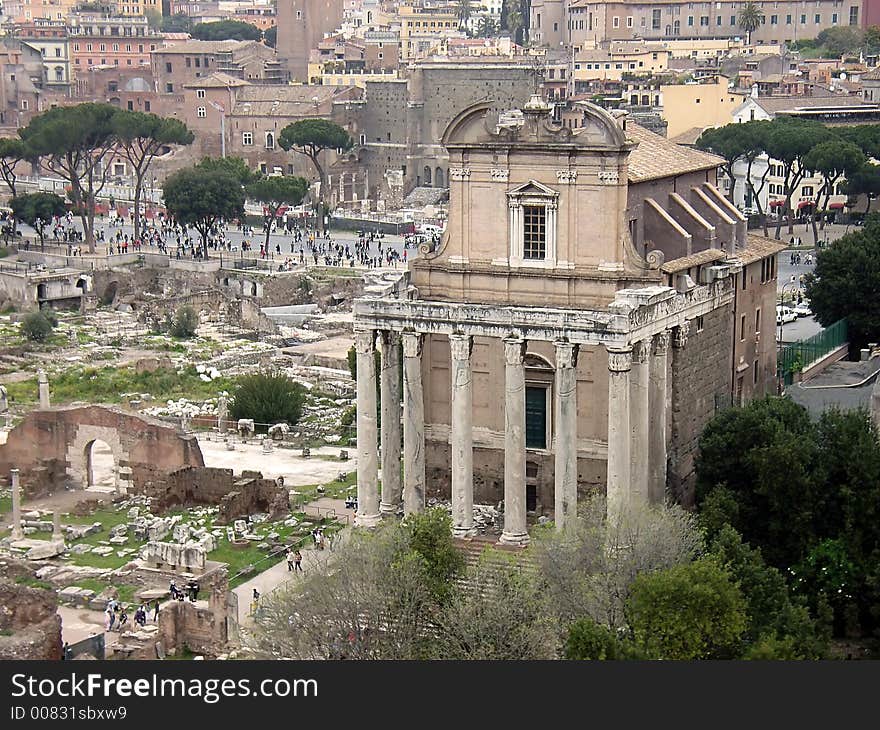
[{"x": 701, "y": 384}]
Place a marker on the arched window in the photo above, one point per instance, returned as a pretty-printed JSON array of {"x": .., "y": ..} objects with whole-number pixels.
[
  {"x": 427, "y": 181},
  {"x": 438, "y": 178},
  {"x": 270, "y": 140}
]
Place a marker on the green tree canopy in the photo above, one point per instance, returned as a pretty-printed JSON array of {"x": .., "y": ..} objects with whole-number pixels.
[
  {"x": 226, "y": 30},
  {"x": 38, "y": 209},
  {"x": 311, "y": 137},
  {"x": 691, "y": 611},
  {"x": 73, "y": 142},
  {"x": 185, "y": 323},
  {"x": 268, "y": 398},
  {"x": 866, "y": 181},
  {"x": 750, "y": 18},
  {"x": 12, "y": 151},
  {"x": 764, "y": 454},
  {"x": 841, "y": 40},
  {"x": 202, "y": 198},
  {"x": 177, "y": 23},
  {"x": 270, "y": 36},
  {"x": 36, "y": 327},
  {"x": 140, "y": 138},
  {"x": 275, "y": 192},
  {"x": 840, "y": 285},
  {"x": 831, "y": 159},
  {"x": 237, "y": 167}
]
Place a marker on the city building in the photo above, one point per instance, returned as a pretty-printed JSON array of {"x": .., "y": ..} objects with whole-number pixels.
[
  {"x": 98, "y": 40},
  {"x": 573, "y": 330},
  {"x": 301, "y": 25},
  {"x": 51, "y": 39}
]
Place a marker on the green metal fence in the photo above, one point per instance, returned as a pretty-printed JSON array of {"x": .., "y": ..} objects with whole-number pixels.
[{"x": 795, "y": 356}]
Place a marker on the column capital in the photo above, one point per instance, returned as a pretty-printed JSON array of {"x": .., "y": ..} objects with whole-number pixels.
[
  {"x": 566, "y": 354},
  {"x": 680, "y": 334},
  {"x": 460, "y": 346},
  {"x": 412, "y": 344},
  {"x": 365, "y": 342},
  {"x": 641, "y": 351},
  {"x": 514, "y": 350},
  {"x": 661, "y": 342},
  {"x": 619, "y": 359}
]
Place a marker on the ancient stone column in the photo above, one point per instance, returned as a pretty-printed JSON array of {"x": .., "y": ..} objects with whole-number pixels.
[
  {"x": 413, "y": 425},
  {"x": 657, "y": 397},
  {"x": 565, "y": 445},
  {"x": 639, "y": 418},
  {"x": 56, "y": 527},
  {"x": 462, "y": 437},
  {"x": 43, "y": 383},
  {"x": 16, "y": 505},
  {"x": 222, "y": 412},
  {"x": 515, "y": 530},
  {"x": 618, "y": 481},
  {"x": 368, "y": 463},
  {"x": 390, "y": 385}
]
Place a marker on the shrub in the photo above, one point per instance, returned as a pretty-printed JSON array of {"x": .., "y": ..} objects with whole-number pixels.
[
  {"x": 36, "y": 327},
  {"x": 267, "y": 398},
  {"x": 185, "y": 323}
]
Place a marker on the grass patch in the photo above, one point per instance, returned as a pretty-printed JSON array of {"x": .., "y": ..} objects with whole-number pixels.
[
  {"x": 108, "y": 383},
  {"x": 30, "y": 581},
  {"x": 5, "y": 504},
  {"x": 334, "y": 489},
  {"x": 125, "y": 593}
]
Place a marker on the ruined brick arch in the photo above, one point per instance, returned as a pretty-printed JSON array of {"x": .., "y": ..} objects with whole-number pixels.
[
  {"x": 79, "y": 455},
  {"x": 50, "y": 446}
]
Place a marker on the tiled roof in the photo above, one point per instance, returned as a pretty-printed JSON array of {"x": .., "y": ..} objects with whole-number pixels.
[
  {"x": 689, "y": 136},
  {"x": 287, "y": 101},
  {"x": 657, "y": 157},
  {"x": 195, "y": 47},
  {"x": 776, "y": 104},
  {"x": 216, "y": 80},
  {"x": 695, "y": 259},
  {"x": 758, "y": 247},
  {"x": 872, "y": 75}
]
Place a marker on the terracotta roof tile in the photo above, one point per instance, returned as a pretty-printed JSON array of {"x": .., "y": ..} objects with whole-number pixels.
[
  {"x": 657, "y": 157},
  {"x": 695, "y": 259}
]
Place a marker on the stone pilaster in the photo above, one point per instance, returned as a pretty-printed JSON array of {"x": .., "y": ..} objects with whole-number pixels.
[
  {"x": 413, "y": 425},
  {"x": 367, "y": 466},
  {"x": 658, "y": 430},
  {"x": 390, "y": 386},
  {"x": 56, "y": 527},
  {"x": 639, "y": 420},
  {"x": 619, "y": 473},
  {"x": 515, "y": 529},
  {"x": 565, "y": 446},
  {"x": 43, "y": 383},
  {"x": 16, "y": 505},
  {"x": 462, "y": 436}
]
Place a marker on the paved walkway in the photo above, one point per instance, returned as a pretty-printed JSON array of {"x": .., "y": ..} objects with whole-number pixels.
[{"x": 278, "y": 575}]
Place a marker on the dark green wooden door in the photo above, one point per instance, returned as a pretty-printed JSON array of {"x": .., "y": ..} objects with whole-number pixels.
[{"x": 536, "y": 418}]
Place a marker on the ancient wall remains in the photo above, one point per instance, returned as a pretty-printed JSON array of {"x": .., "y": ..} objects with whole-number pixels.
[
  {"x": 30, "y": 616},
  {"x": 698, "y": 392},
  {"x": 238, "y": 496},
  {"x": 50, "y": 447}
]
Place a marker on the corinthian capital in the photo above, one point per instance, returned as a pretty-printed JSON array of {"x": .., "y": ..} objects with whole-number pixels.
[{"x": 619, "y": 359}]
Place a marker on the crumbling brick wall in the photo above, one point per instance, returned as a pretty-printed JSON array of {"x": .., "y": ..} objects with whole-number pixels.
[
  {"x": 201, "y": 630},
  {"x": 235, "y": 496},
  {"x": 29, "y": 616}
]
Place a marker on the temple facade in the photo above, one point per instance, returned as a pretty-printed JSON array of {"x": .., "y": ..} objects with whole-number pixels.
[{"x": 573, "y": 330}]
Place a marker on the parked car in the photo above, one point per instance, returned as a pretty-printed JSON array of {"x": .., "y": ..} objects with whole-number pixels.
[
  {"x": 802, "y": 310},
  {"x": 784, "y": 315}
]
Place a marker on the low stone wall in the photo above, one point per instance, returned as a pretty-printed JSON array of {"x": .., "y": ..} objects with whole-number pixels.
[{"x": 199, "y": 629}]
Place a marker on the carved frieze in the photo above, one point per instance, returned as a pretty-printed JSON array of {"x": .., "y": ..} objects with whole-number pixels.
[
  {"x": 609, "y": 177},
  {"x": 499, "y": 174},
  {"x": 459, "y": 173},
  {"x": 568, "y": 177}
]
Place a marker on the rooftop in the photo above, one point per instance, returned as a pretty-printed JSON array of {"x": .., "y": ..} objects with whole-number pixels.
[
  {"x": 758, "y": 247},
  {"x": 216, "y": 80},
  {"x": 776, "y": 104},
  {"x": 287, "y": 101},
  {"x": 194, "y": 47},
  {"x": 657, "y": 157},
  {"x": 844, "y": 385}
]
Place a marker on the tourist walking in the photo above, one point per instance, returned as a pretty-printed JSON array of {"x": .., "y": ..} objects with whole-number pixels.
[
  {"x": 289, "y": 556},
  {"x": 297, "y": 560}
]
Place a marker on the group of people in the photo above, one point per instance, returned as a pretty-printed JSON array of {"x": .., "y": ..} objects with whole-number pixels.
[
  {"x": 117, "y": 616},
  {"x": 318, "y": 538},
  {"x": 190, "y": 590},
  {"x": 796, "y": 259},
  {"x": 294, "y": 560}
]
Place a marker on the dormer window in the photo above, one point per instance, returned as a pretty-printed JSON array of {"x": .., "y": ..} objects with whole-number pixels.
[{"x": 532, "y": 217}]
